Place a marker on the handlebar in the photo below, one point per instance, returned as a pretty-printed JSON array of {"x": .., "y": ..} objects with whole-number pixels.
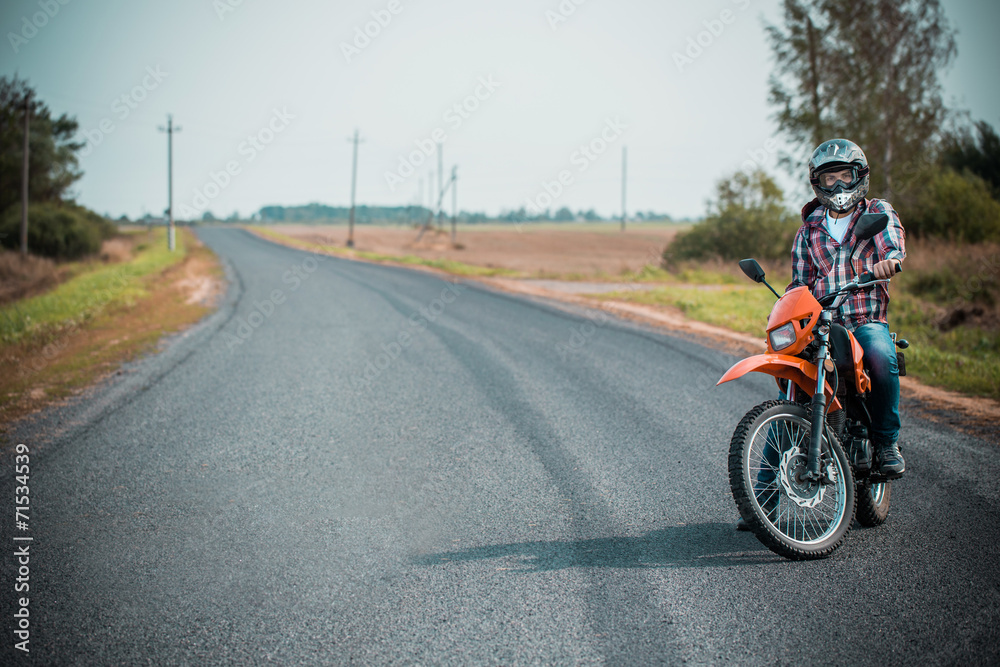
[
  {"x": 865, "y": 279},
  {"x": 868, "y": 276}
]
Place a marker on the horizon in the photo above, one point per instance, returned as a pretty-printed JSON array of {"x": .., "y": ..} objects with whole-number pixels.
[{"x": 530, "y": 103}]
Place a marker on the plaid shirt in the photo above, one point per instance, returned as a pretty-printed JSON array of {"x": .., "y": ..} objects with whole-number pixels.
[{"x": 821, "y": 264}]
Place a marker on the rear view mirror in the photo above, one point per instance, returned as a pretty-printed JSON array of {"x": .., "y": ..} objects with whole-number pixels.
[
  {"x": 870, "y": 224},
  {"x": 752, "y": 269}
]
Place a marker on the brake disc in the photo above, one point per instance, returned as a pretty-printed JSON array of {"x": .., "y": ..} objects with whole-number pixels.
[{"x": 791, "y": 473}]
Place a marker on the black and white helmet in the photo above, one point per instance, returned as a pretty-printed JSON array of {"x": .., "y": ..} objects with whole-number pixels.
[{"x": 838, "y": 172}]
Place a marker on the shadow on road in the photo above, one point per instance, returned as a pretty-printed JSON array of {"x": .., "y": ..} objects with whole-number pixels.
[{"x": 695, "y": 545}]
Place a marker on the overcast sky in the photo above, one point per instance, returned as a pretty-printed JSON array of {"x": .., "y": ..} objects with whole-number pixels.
[{"x": 268, "y": 89}]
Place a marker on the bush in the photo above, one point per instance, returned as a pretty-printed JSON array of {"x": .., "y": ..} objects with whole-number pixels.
[
  {"x": 747, "y": 220},
  {"x": 954, "y": 206},
  {"x": 58, "y": 231},
  {"x": 954, "y": 277},
  {"x": 962, "y": 151}
]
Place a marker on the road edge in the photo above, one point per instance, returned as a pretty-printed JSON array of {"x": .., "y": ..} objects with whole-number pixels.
[{"x": 939, "y": 405}]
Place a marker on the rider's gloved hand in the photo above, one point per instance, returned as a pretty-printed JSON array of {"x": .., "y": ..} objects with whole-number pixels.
[{"x": 885, "y": 269}]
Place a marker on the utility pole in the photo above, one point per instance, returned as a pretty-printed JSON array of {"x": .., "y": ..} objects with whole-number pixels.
[
  {"x": 440, "y": 152},
  {"x": 24, "y": 178},
  {"x": 438, "y": 212},
  {"x": 454, "y": 201},
  {"x": 170, "y": 129},
  {"x": 354, "y": 185},
  {"x": 624, "y": 182}
]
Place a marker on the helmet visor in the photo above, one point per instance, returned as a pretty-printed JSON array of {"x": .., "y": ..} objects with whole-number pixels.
[{"x": 845, "y": 176}]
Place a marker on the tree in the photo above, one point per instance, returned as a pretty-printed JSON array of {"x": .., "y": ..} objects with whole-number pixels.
[
  {"x": 865, "y": 70},
  {"x": 962, "y": 151},
  {"x": 955, "y": 206},
  {"x": 52, "y": 159},
  {"x": 797, "y": 86},
  {"x": 62, "y": 231},
  {"x": 563, "y": 215},
  {"x": 747, "y": 219}
]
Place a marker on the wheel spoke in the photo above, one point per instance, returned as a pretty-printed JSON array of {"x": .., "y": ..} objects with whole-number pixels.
[{"x": 764, "y": 467}]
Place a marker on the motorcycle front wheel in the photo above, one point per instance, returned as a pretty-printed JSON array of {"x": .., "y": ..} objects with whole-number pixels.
[
  {"x": 791, "y": 516},
  {"x": 873, "y": 502}
]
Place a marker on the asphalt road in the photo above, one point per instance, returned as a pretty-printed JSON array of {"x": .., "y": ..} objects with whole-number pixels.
[{"x": 383, "y": 467}]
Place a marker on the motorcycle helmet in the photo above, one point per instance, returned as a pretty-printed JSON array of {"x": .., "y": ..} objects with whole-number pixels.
[{"x": 838, "y": 173}]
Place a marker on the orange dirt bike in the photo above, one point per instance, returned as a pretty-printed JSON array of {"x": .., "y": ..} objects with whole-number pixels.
[{"x": 800, "y": 467}]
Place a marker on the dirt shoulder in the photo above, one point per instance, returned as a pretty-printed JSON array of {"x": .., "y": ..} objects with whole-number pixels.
[
  {"x": 979, "y": 416},
  {"x": 36, "y": 374}
]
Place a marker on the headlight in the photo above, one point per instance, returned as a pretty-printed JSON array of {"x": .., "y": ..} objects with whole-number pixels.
[{"x": 782, "y": 337}]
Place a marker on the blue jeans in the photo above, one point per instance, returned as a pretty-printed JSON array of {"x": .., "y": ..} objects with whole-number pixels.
[{"x": 883, "y": 401}]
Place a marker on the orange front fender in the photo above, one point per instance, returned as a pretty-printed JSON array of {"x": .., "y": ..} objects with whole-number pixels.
[{"x": 783, "y": 366}]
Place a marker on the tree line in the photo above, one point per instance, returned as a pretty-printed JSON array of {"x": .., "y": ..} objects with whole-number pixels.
[{"x": 403, "y": 215}]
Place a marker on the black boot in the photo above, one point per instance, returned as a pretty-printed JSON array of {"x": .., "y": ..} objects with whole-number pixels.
[{"x": 889, "y": 461}]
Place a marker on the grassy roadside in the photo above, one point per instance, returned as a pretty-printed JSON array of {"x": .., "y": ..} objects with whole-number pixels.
[
  {"x": 92, "y": 288},
  {"x": 56, "y": 343},
  {"x": 449, "y": 266},
  {"x": 965, "y": 359}
]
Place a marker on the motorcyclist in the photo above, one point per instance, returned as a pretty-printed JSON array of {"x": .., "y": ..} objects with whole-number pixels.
[{"x": 839, "y": 175}]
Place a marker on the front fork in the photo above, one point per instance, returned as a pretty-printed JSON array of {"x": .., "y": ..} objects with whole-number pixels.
[{"x": 813, "y": 466}]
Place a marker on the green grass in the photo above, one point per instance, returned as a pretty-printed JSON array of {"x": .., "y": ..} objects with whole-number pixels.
[
  {"x": 601, "y": 227},
  {"x": 93, "y": 287},
  {"x": 965, "y": 359},
  {"x": 743, "y": 309},
  {"x": 447, "y": 265}
]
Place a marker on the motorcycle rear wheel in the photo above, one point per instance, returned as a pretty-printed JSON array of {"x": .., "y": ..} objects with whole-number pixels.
[
  {"x": 873, "y": 502},
  {"x": 793, "y": 518}
]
